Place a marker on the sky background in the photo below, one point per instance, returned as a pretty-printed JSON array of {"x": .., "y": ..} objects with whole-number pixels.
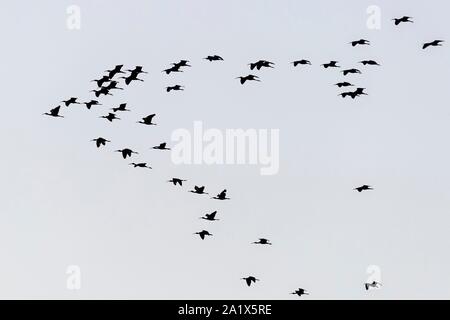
[{"x": 65, "y": 202}]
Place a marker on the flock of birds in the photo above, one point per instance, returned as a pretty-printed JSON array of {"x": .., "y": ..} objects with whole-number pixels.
[{"x": 110, "y": 81}]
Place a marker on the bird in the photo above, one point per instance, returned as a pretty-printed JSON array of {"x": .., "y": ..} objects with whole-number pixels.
[
  {"x": 110, "y": 117},
  {"x": 176, "y": 181},
  {"x": 250, "y": 77},
  {"x": 117, "y": 69},
  {"x": 70, "y": 101},
  {"x": 91, "y": 103},
  {"x": 300, "y": 292},
  {"x": 263, "y": 241},
  {"x": 203, "y": 233},
  {"x": 102, "y": 90},
  {"x": 113, "y": 85},
  {"x": 397, "y": 21},
  {"x": 303, "y": 61},
  {"x": 121, "y": 107},
  {"x": 363, "y": 187},
  {"x": 249, "y": 280},
  {"x": 182, "y": 63},
  {"x": 214, "y": 58},
  {"x": 131, "y": 77},
  {"x": 140, "y": 165},
  {"x": 54, "y": 112},
  {"x": 434, "y": 43},
  {"x": 172, "y": 69},
  {"x": 360, "y": 91},
  {"x": 210, "y": 216},
  {"x": 343, "y": 84},
  {"x": 101, "y": 81},
  {"x": 137, "y": 70},
  {"x": 175, "y": 87},
  {"x": 261, "y": 63},
  {"x": 126, "y": 152},
  {"x": 100, "y": 141},
  {"x": 347, "y": 71},
  {"x": 199, "y": 190},
  {"x": 360, "y": 42},
  {"x": 373, "y": 284},
  {"x": 148, "y": 120},
  {"x": 222, "y": 195},
  {"x": 351, "y": 94},
  {"x": 161, "y": 146},
  {"x": 331, "y": 64},
  {"x": 369, "y": 62}
]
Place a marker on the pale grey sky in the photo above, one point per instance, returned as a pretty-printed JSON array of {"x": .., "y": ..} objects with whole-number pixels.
[{"x": 66, "y": 203}]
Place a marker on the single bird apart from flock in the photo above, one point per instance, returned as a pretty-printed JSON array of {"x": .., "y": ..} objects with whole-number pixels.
[
  {"x": 373, "y": 284},
  {"x": 360, "y": 42},
  {"x": 249, "y": 280},
  {"x": 300, "y": 292},
  {"x": 434, "y": 43},
  {"x": 203, "y": 233},
  {"x": 263, "y": 241},
  {"x": 397, "y": 21},
  {"x": 364, "y": 187}
]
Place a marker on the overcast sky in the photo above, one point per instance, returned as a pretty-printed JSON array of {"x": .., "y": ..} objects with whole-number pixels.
[{"x": 65, "y": 202}]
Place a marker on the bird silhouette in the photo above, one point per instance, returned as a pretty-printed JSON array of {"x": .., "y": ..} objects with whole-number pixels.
[
  {"x": 210, "y": 216},
  {"x": 343, "y": 84},
  {"x": 351, "y": 94},
  {"x": 176, "y": 181},
  {"x": 221, "y": 196},
  {"x": 360, "y": 42},
  {"x": 110, "y": 117},
  {"x": 54, "y": 112},
  {"x": 182, "y": 63},
  {"x": 199, "y": 190},
  {"x": 260, "y": 64},
  {"x": 148, "y": 120},
  {"x": 397, "y": 21},
  {"x": 161, "y": 146},
  {"x": 214, "y": 58},
  {"x": 126, "y": 152},
  {"x": 113, "y": 85},
  {"x": 303, "y": 62},
  {"x": 175, "y": 88},
  {"x": 369, "y": 62},
  {"x": 331, "y": 64},
  {"x": 263, "y": 241},
  {"x": 373, "y": 284},
  {"x": 347, "y": 71},
  {"x": 121, "y": 107},
  {"x": 300, "y": 292},
  {"x": 249, "y": 280},
  {"x": 102, "y": 90},
  {"x": 203, "y": 233},
  {"x": 70, "y": 101},
  {"x": 140, "y": 165},
  {"x": 101, "y": 81},
  {"x": 250, "y": 77},
  {"x": 91, "y": 103},
  {"x": 100, "y": 141},
  {"x": 131, "y": 77},
  {"x": 137, "y": 70},
  {"x": 363, "y": 188},
  {"x": 172, "y": 69},
  {"x": 117, "y": 69},
  {"x": 434, "y": 43}
]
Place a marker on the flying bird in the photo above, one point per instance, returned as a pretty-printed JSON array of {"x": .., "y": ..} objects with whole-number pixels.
[
  {"x": 210, "y": 216},
  {"x": 113, "y": 85},
  {"x": 172, "y": 69},
  {"x": 126, "y": 152},
  {"x": 198, "y": 190},
  {"x": 343, "y": 84},
  {"x": 100, "y": 141},
  {"x": 303, "y": 62},
  {"x": 363, "y": 188},
  {"x": 91, "y": 103},
  {"x": 54, "y": 112},
  {"x": 221, "y": 196},
  {"x": 176, "y": 181},
  {"x": 261, "y": 63},
  {"x": 148, "y": 120},
  {"x": 351, "y": 94},
  {"x": 182, "y": 63},
  {"x": 161, "y": 146},
  {"x": 131, "y": 77},
  {"x": 140, "y": 165},
  {"x": 249, "y": 280},
  {"x": 250, "y": 77},
  {"x": 263, "y": 241},
  {"x": 121, "y": 107},
  {"x": 70, "y": 101},
  {"x": 203, "y": 233},
  {"x": 102, "y": 90},
  {"x": 117, "y": 69},
  {"x": 214, "y": 58},
  {"x": 175, "y": 88},
  {"x": 101, "y": 81},
  {"x": 360, "y": 91},
  {"x": 331, "y": 64},
  {"x": 369, "y": 62},
  {"x": 434, "y": 43},
  {"x": 300, "y": 292},
  {"x": 347, "y": 71},
  {"x": 397, "y": 21},
  {"x": 110, "y": 117},
  {"x": 137, "y": 70},
  {"x": 360, "y": 42},
  {"x": 373, "y": 284}
]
